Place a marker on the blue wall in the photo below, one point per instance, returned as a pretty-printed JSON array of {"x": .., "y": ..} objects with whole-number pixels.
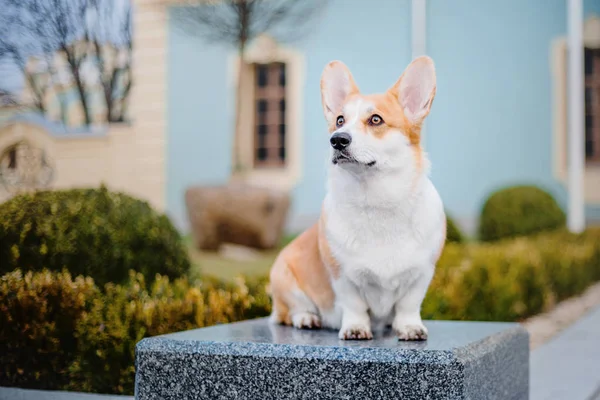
[
  {"x": 200, "y": 95},
  {"x": 490, "y": 126},
  {"x": 200, "y": 117},
  {"x": 375, "y": 44}
]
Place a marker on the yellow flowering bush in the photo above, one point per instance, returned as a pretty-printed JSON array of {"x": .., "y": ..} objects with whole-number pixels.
[{"x": 57, "y": 332}]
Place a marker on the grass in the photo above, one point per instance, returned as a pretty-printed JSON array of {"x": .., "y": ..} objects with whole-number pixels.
[{"x": 213, "y": 263}]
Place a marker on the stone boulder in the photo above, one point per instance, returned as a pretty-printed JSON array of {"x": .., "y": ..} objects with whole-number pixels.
[{"x": 236, "y": 213}]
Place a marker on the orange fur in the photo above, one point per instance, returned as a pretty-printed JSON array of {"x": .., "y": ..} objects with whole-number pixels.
[{"x": 300, "y": 266}]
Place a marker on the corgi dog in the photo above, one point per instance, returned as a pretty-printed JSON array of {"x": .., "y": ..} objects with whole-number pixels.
[{"x": 368, "y": 261}]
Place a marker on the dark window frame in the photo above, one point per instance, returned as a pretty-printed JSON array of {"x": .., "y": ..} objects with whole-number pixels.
[{"x": 269, "y": 149}]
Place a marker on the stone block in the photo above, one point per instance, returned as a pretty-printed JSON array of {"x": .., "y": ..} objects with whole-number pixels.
[{"x": 257, "y": 360}]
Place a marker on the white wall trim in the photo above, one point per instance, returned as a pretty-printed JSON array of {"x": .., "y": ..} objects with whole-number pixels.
[
  {"x": 558, "y": 66},
  {"x": 265, "y": 50}
]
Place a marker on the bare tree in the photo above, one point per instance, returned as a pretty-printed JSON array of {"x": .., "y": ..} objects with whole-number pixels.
[
  {"x": 93, "y": 37},
  {"x": 38, "y": 87},
  {"x": 7, "y": 98},
  {"x": 38, "y": 29},
  {"x": 11, "y": 51},
  {"x": 62, "y": 24},
  {"x": 113, "y": 51},
  {"x": 237, "y": 22}
]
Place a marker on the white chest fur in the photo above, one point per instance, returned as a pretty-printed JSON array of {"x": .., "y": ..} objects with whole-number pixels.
[{"x": 383, "y": 236}]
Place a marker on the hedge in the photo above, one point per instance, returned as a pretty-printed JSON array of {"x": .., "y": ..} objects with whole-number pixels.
[
  {"x": 92, "y": 232},
  {"x": 519, "y": 211},
  {"x": 512, "y": 279},
  {"x": 57, "y": 332}
]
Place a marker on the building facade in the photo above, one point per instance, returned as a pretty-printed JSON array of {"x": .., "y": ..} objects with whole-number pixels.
[{"x": 499, "y": 117}]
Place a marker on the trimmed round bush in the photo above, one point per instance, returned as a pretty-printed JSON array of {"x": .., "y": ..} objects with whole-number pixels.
[
  {"x": 90, "y": 232},
  {"x": 519, "y": 211},
  {"x": 453, "y": 233}
]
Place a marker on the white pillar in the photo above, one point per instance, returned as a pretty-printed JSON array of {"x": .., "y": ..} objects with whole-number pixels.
[
  {"x": 576, "y": 144},
  {"x": 419, "y": 27},
  {"x": 419, "y": 35}
]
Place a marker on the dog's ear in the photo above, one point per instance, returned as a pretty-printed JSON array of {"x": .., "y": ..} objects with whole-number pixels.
[
  {"x": 415, "y": 89},
  {"x": 337, "y": 84}
]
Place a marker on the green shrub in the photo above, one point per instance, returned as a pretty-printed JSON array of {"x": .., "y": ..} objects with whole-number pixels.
[
  {"x": 57, "y": 332},
  {"x": 571, "y": 262},
  {"x": 91, "y": 232},
  {"x": 512, "y": 279},
  {"x": 453, "y": 233},
  {"x": 499, "y": 282},
  {"x": 519, "y": 211}
]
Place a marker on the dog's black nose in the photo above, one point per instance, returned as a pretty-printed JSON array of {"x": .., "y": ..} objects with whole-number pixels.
[{"x": 340, "y": 140}]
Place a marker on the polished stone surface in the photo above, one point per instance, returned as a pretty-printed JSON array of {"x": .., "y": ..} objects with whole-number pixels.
[{"x": 256, "y": 360}]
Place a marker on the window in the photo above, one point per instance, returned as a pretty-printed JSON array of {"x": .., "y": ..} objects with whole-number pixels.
[
  {"x": 271, "y": 108},
  {"x": 559, "y": 68},
  {"x": 270, "y": 121},
  {"x": 592, "y": 105}
]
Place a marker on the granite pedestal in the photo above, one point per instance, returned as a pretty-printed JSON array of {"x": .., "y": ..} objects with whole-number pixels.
[{"x": 256, "y": 360}]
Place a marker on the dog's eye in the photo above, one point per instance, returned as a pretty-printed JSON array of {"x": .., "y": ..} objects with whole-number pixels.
[
  {"x": 376, "y": 120},
  {"x": 340, "y": 121}
]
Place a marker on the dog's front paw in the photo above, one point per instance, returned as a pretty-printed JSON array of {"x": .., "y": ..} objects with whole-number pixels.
[
  {"x": 306, "y": 320},
  {"x": 356, "y": 332},
  {"x": 411, "y": 332}
]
